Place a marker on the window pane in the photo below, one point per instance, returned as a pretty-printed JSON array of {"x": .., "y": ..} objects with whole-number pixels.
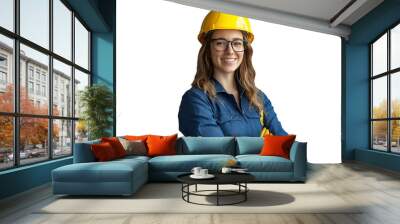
[
  {"x": 7, "y": 14},
  {"x": 379, "y": 55},
  {"x": 379, "y": 100},
  {"x": 81, "y": 131},
  {"x": 35, "y": 21},
  {"x": 62, "y": 29},
  {"x": 81, "y": 81},
  {"x": 395, "y": 94},
  {"x": 62, "y": 89},
  {"x": 81, "y": 45},
  {"x": 62, "y": 137},
  {"x": 395, "y": 136},
  {"x": 395, "y": 47},
  {"x": 6, "y": 74},
  {"x": 6, "y": 142},
  {"x": 379, "y": 135},
  {"x": 34, "y": 79},
  {"x": 33, "y": 140}
]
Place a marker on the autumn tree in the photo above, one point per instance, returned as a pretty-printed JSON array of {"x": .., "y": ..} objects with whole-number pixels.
[
  {"x": 380, "y": 127},
  {"x": 33, "y": 131}
]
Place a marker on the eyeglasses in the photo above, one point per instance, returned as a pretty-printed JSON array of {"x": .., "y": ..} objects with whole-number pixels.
[{"x": 221, "y": 44}]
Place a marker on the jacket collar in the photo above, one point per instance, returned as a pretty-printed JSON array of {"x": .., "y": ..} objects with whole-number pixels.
[{"x": 220, "y": 89}]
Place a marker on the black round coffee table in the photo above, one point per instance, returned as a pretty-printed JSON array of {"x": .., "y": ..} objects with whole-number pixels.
[{"x": 238, "y": 179}]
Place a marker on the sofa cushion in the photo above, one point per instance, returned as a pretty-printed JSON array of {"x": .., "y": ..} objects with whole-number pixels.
[
  {"x": 185, "y": 163},
  {"x": 132, "y": 158},
  {"x": 206, "y": 145},
  {"x": 111, "y": 171},
  {"x": 249, "y": 145},
  {"x": 257, "y": 163}
]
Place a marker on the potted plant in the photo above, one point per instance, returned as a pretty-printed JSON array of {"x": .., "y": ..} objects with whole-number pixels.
[{"x": 97, "y": 106}]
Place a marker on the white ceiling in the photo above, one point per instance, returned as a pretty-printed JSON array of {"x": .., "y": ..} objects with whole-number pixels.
[{"x": 326, "y": 16}]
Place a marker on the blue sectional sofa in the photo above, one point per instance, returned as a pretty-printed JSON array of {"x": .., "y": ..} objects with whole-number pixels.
[{"x": 125, "y": 176}]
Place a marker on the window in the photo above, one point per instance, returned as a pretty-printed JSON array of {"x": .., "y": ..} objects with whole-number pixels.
[
  {"x": 43, "y": 77},
  {"x": 43, "y": 90},
  {"x": 7, "y": 14},
  {"x": 3, "y": 72},
  {"x": 6, "y": 72},
  {"x": 3, "y": 78},
  {"x": 38, "y": 89},
  {"x": 62, "y": 75},
  {"x": 30, "y": 72},
  {"x": 3, "y": 61},
  {"x": 34, "y": 21},
  {"x": 81, "y": 45},
  {"x": 62, "y": 29},
  {"x": 37, "y": 75},
  {"x": 385, "y": 92},
  {"x": 30, "y": 87},
  {"x": 55, "y": 128}
]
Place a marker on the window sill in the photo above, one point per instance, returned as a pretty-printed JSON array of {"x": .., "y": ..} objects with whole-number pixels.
[{"x": 26, "y": 167}]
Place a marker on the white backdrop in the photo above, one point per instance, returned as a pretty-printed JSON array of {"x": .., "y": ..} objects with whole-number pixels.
[{"x": 157, "y": 47}]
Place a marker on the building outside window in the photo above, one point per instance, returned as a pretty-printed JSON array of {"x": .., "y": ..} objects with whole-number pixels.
[{"x": 3, "y": 72}]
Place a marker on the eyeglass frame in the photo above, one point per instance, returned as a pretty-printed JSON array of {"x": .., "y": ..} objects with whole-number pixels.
[{"x": 230, "y": 43}]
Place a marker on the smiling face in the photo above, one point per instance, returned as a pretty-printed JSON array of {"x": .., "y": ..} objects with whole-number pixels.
[{"x": 225, "y": 61}]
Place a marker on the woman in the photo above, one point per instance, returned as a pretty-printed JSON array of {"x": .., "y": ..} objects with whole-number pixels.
[{"x": 224, "y": 100}]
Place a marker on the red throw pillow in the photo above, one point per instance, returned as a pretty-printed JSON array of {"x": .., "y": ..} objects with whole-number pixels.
[
  {"x": 116, "y": 145},
  {"x": 161, "y": 145},
  {"x": 277, "y": 145},
  {"x": 103, "y": 151}
]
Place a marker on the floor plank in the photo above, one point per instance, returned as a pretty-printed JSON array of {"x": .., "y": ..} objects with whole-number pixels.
[{"x": 375, "y": 189}]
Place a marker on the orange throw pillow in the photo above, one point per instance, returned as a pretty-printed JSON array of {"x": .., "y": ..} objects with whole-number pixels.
[
  {"x": 161, "y": 145},
  {"x": 135, "y": 138},
  {"x": 103, "y": 152},
  {"x": 277, "y": 145},
  {"x": 116, "y": 145}
]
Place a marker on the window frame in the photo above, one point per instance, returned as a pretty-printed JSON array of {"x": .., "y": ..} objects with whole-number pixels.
[
  {"x": 15, "y": 71},
  {"x": 388, "y": 74}
]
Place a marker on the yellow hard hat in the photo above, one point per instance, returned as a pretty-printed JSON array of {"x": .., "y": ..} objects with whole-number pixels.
[{"x": 222, "y": 21}]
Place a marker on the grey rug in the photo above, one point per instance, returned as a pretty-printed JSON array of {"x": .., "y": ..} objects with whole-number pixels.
[{"x": 166, "y": 198}]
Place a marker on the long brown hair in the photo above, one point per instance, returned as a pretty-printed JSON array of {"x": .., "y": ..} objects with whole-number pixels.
[{"x": 245, "y": 74}]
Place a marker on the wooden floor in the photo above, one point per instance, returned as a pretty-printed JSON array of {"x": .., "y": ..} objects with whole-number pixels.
[{"x": 377, "y": 188}]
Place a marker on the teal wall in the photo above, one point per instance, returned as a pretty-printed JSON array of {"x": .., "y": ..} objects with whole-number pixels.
[
  {"x": 24, "y": 178},
  {"x": 355, "y": 128},
  {"x": 99, "y": 16}
]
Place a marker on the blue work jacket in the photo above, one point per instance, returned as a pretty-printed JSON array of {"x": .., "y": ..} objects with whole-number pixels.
[{"x": 199, "y": 115}]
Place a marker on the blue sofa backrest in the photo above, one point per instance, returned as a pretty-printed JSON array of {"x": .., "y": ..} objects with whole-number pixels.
[
  {"x": 190, "y": 146},
  {"x": 206, "y": 145},
  {"x": 83, "y": 153},
  {"x": 249, "y": 145}
]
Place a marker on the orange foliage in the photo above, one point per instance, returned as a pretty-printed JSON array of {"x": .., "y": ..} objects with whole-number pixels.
[{"x": 34, "y": 130}]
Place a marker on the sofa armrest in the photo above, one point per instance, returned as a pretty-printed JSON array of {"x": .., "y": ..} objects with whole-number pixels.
[
  {"x": 298, "y": 155},
  {"x": 83, "y": 152}
]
